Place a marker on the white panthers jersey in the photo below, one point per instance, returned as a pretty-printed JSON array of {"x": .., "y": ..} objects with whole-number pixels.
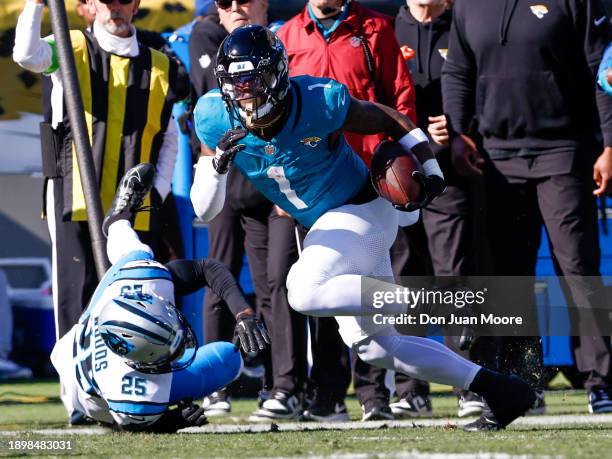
[{"x": 95, "y": 380}]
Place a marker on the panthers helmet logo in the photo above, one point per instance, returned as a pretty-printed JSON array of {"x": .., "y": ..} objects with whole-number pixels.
[
  {"x": 539, "y": 10},
  {"x": 117, "y": 344}
]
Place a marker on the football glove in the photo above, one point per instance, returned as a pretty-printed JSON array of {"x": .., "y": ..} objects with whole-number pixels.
[
  {"x": 192, "y": 415},
  {"x": 433, "y": 186},
  {"x": 250, "y": 333},
  {"x": 227, "y": 149}
]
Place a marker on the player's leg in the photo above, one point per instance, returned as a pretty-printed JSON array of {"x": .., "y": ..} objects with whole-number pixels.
[
  {"x": 343, "y": 245},
  {"x": 508, "y": 396},
  {"x": 350, "y": 242},
  {"x": 123, "y": 240},
  {"x": 215, "y": 366}
]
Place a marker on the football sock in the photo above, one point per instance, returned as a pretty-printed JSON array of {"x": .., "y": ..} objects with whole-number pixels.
[{"x": 418, "y": 357}]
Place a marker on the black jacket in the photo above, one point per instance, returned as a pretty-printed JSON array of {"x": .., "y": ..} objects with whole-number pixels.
[
  {"x": 430, "y": 43},
  {"x": 527, "y": 70},
  {"x": 204, "y": 42}
]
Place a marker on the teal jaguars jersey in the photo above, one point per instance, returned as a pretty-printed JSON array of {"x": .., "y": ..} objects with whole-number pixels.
[{"x": 297, "y": 170}]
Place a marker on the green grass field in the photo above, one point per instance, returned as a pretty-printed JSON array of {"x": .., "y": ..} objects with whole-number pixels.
[{"x": 32, "y": 406}]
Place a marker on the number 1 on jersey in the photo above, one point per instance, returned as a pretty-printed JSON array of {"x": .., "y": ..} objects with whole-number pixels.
[{"x": 277, "y": 173}]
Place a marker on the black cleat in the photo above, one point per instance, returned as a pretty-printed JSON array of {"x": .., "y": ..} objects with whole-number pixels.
[
  {"x": 485, "y": 423},
  {"x": 513, "y": 399},
  {"x": 376, "y": 410},
  {"x": 508, "y": 398},
  {"x": 134, "y": 186},
  {"x": 78, "y": 418},
  {"x": 325, "y": 408}
]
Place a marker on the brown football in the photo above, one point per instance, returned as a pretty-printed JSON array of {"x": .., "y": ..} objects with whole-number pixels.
[{"x": 392, "y": 168}]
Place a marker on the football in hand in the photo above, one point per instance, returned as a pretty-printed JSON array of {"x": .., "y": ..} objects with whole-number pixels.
[{"x": 392, "y": 168}]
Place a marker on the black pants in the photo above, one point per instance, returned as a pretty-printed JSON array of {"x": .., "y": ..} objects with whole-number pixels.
[
  {"x": 331, "y": 367},
  {"x": 75, "y": 278},
  {"x": 269, "y": 241},
  {"x": 556, "y": 191},
  {"x": 330, "y": 375}
]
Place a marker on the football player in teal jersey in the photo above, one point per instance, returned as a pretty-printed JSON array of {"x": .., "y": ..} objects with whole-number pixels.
[{"x": 285, "y": 135}]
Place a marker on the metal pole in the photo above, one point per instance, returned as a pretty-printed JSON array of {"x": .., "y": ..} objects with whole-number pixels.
[{"x": 74, "y": 105}]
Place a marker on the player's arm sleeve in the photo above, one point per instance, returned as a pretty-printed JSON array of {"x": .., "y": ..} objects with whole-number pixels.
[
  {"x": 30, "y": 51},
  {"x": 208, "y": 189},
  {"x": 395, "y": 79},
  {"x": 459, "y": 78},
  {"x": 191, "y": 275},
  {"x": 166, "y": 160},
  {"x": 593, "y": 25},
  {"x": 207, "y": 192}
]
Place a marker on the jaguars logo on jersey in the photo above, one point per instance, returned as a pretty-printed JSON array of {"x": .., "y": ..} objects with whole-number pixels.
[
  {"x": 311, "y": 141},
  {"x": 539, "y": 10}
]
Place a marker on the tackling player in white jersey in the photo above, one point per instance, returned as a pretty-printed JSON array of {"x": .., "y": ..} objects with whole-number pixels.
[{"x": 133, "y": 356}]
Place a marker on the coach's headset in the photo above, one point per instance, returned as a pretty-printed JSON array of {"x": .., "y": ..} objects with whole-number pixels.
[{"x": 148, "y": 332}]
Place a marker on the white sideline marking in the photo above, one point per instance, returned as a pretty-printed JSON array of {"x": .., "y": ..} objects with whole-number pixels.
[
  {"x": 416, "y": 454},
  {"x": 556, "y": 420}
]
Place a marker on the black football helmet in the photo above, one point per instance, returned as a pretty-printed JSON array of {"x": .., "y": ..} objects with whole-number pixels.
[{"x": 252, "y": 64}]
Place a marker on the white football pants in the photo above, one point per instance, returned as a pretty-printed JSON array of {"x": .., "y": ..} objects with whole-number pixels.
[{"x": 343, "y": 245}]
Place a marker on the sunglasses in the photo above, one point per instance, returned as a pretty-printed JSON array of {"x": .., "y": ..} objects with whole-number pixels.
[
  {"x": 227, "y": 4},
  {"x": 123, "y": 2}
]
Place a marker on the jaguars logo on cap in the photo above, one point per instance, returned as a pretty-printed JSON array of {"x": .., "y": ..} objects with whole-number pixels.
[{"x": 539, "y": 10}]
